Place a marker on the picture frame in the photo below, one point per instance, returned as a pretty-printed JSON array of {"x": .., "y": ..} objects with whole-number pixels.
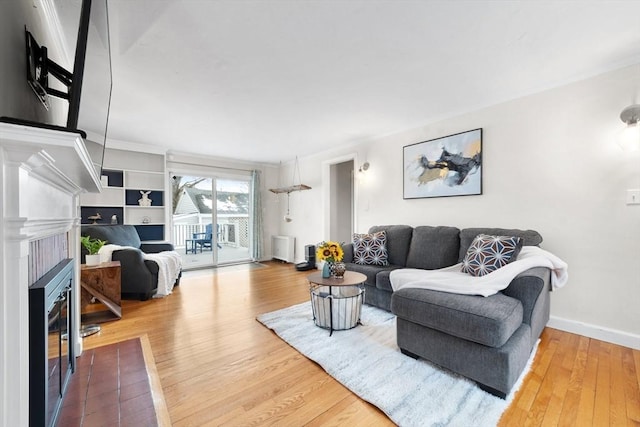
[{"x": 444, "y": 167}]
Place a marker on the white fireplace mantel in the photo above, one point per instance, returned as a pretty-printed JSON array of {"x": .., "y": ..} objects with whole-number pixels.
[{"x": 42, "y": 173}]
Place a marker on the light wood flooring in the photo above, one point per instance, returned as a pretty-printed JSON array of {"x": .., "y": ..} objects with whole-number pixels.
[{"x": 219, "y": 366}]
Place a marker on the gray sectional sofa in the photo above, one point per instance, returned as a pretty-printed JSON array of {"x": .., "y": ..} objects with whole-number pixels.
[{"x": 487, "y": 339}]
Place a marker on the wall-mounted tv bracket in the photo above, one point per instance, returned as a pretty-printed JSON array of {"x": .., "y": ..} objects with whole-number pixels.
[{"x": 39, "y": 67}]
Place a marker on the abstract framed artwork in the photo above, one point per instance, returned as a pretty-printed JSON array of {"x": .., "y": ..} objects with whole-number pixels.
[{"x": 444, "y": 167}]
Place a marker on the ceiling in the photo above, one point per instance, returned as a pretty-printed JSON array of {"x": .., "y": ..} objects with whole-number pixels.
[{"x": 270, "y": 80}]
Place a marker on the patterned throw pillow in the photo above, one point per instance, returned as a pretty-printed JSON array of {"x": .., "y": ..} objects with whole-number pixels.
[
  {"x": 489, "y": 253},
  {"x": 370, "y": 249}
]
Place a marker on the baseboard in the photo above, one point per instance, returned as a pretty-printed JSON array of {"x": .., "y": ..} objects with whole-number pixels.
[{"x": 598, "y": 332}]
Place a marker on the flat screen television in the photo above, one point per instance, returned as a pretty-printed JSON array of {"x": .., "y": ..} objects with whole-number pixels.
[
  {"x": 87, "y": 88},
  {"x": 90, "y": 94},
  {"x": 90, "y": 102}
]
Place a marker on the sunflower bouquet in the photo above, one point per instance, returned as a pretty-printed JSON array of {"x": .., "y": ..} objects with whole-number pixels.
[{"x": 329, "y": 252}]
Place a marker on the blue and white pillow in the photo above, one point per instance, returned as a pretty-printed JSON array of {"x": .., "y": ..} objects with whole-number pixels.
[
  {"x": 370, "y": 249},
  {"x": 489, "y": 253}
]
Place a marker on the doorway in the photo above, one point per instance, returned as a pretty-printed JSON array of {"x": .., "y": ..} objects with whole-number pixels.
[
  {"x": 211, "y": 220},
  {"x": 341, "y": 201}
]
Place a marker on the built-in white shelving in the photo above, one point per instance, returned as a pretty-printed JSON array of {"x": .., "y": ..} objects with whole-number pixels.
[{"x": 122, "y": 192}]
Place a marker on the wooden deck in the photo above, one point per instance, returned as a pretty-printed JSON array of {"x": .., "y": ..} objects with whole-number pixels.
[{"x": 228, "y": 254}]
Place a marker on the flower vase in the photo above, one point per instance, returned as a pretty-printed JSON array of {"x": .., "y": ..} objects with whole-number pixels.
[
  {"x": 338, "y": 269},
  {"x": 326, "y": 270}
]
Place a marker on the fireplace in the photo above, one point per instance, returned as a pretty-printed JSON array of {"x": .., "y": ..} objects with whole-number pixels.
[
  {"x": 42, "y": 172},
  {"x": 51, "y": 354}
]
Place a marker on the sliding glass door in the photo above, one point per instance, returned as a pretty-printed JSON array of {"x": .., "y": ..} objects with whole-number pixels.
[
  {"x": 232, "y": 218},
  {"x": 211, "y": 220}
]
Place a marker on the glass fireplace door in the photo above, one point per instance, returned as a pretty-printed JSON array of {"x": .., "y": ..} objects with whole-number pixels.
[{"x": 50, "y": 344}]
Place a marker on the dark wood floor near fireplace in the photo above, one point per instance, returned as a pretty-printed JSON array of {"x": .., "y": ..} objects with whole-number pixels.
[{"x": 110, "y": 387}]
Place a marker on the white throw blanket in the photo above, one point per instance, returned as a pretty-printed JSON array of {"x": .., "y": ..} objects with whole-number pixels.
[
  {"x": 169, "y": 266},
  {"x": 451, "y": 279}
]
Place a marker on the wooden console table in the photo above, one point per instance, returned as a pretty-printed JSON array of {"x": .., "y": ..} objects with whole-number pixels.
[{"x": 101, "y": 282}]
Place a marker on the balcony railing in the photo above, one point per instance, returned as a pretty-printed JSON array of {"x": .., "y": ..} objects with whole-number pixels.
[{"x": 233, "y": 231}]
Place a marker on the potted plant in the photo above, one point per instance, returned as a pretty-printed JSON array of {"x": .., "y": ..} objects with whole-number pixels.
[{"x": 92, "y": 246}]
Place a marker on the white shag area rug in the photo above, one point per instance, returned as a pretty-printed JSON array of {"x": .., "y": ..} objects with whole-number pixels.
[{"x": 368, "y": 362}]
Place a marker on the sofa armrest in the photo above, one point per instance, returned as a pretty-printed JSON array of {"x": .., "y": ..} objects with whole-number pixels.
[
  {"x": 532, "y": 288},
  {"x": 154, "y": 248},
  {"x": 347, "y": 248},
  {"x": 152, "y": 266},
  {"x": 136, "y": 276}
]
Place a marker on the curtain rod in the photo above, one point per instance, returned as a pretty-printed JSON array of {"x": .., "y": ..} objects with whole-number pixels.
[{"x": 210, "y": 166}]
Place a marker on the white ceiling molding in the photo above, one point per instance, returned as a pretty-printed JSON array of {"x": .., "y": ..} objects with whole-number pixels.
[{"x": 133, "y": 146}]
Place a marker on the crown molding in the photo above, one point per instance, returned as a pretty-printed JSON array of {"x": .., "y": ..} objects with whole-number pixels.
[{"x": 117, "y": 144}]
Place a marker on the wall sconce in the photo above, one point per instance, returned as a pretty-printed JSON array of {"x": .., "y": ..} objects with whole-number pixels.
[
  {"x": 364, "y": 167},
  {"x": 629, "y": 137}
]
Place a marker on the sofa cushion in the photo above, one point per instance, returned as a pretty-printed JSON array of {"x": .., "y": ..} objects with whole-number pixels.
[
  {"x": 529, "y": 237},
  {"x": 489, "y": 253},
  {"x": 122, "y": 235},
  {"x": 370, "y": 249},
  {"x": 398, "y": 240},
  {"x": 486, "y": 320},
  {"x": 433, "y": 247},
  {"x": 370, "y": 271},
  {"x": 347, "y": 250}
]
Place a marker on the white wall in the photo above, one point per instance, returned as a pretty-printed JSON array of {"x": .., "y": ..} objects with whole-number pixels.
[
  {"x": 550, "y": 163},
  {"x": 17, "y": 100}
]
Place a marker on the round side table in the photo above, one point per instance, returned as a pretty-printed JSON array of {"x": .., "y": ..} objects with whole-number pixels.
[{"x": 336, "y": 303}]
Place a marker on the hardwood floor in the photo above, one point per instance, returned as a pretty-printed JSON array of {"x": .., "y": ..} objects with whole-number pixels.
[{"x": 219, "y": 366}]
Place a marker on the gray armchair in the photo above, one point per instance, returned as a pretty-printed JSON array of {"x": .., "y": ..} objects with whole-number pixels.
[{"x": 139, "y": 277}]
